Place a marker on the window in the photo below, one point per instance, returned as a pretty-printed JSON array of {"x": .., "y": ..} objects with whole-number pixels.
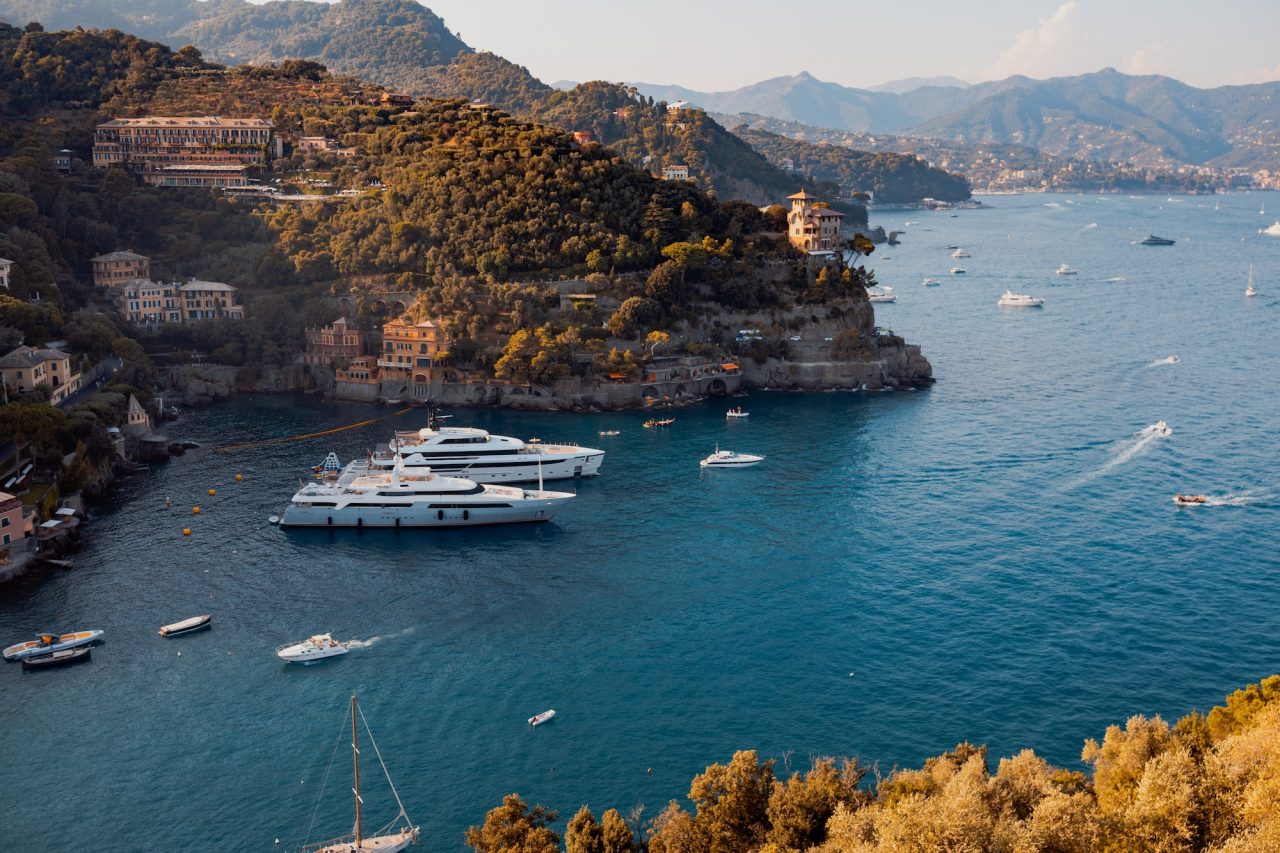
[{"x": 4, "y": 522}]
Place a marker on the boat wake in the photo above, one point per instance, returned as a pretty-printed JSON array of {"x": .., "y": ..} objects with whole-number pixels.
[
  {"x": 377, "y": 638},
  {"x": 1249, "y": 497},
  {"x": 1124, "y": 452}
]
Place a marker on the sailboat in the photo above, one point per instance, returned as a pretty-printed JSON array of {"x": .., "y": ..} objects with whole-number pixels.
[
  {"x": 1249, "y": 291},
  {"x": 393, "y": 837}
]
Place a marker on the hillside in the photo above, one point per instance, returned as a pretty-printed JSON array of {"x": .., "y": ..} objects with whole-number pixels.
[
  {"x": 1106, "y": 115},
  {"x": 893, "y": 178}
]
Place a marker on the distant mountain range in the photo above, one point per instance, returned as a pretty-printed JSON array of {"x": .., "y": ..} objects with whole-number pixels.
[{"x": 1106, "y": 115}]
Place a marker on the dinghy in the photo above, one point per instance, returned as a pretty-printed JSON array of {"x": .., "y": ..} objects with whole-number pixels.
[
  {"x": 539, "y": 719},
  {"x": 61, "y": 658},
  {"x": 187, "y": 626}
]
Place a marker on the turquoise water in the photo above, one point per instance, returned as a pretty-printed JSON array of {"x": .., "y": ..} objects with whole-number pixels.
[{"x": 995, "y": 560}]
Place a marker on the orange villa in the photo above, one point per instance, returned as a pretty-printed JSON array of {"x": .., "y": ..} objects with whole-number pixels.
[
  {"x": 116, "y": 268},
  {"x": 27, "y": 367},
  {"x": 812, "y": 226},
  {"x": 409, "y": 349}
]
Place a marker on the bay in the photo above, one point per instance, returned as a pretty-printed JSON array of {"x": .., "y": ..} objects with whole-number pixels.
[{"x": 996, "y": 560}]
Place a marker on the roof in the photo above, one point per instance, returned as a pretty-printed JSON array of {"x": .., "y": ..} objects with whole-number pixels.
[
  {"x": 802, "y": 195},
  {"x": 728, "y": 366},
  {"x": 135, "y": 406},
  {"x": 196, "y": 167},
  {"x": 30, "y": 357},
  {"x": 189, "y": 121},
  {"x": 125, "y": 255},
  {"x": 196, "y": 284},
  {"x": 6, "y": 262}
]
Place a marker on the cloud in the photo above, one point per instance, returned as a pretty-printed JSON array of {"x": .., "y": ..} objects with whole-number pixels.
[
  {"x": 1052, "y": 48},
  {"x": 1149, "y": 59}
]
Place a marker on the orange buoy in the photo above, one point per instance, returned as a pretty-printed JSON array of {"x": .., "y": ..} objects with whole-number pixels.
[
  {"x": 239, "y": 477},
  {"x": 195, "y": 510},
  {"x": 186, "y": 531},
  {"x": 212, "y": 492}
]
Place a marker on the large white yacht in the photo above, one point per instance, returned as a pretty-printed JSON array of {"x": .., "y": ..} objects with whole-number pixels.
[
  {"x": 479, "y": 456},
  {"x": 402, "y": 497},
  {"x": 1019, "y": 300}
]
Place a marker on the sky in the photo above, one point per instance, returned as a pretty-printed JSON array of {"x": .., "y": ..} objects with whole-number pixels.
[{"x": 716, "y": 45}]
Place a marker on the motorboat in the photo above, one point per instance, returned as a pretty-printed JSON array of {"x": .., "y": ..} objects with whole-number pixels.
[
  {"x": 312, "y": 649},
  {"x": 1190, "y": 500},
  {"x": 654, "y": 423},
  {"x": 879, "y": 296},
  {"x": 930, "y": 282},
  {"x": 46, "y": 643},
  {"x": 730, "y": 459},
  {"x": 478, "y": 455},
  {"x": 1249, "y": 289},
  {"x": 957, "y": 271},
  {"x": 1064, "y": 270},
  {"x": 62, "y": 658},
  {"x": 1272, "y": 230},
  {"x": 1173, "y": 358},
  {"x": 1162, "y": 428},
  {"x": 1153, "y": 240},
  {"x": 950, "y": 246},
  {"x": 734, "y": 414},
  {"x": 396, "y": 835},
  {"x": 539, "y": 719},
  {"x": 608, "y": 432},
  {"x": 187, "y": 626},
  {"x": 403, "y": 497},
  {"x": 1019, "y": 300},
  {"x": 961, "y": 253}
]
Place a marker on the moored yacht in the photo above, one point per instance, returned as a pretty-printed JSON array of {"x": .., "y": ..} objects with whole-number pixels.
[
  {"x": 961, "y": 253},
  {"x": 1019, "y": 300},
  {"x": 479, "y": 456},
  {"x": 404, "y": 497},
  {"x": 730, "y": 459},
  {"x": 312, "y": 649},
  {"x": 880, "y": 296},
  {"x": 1065, "y": 270},
  {"x": 1249, "y": 289},
  {"x": 1153, "y": 240}
]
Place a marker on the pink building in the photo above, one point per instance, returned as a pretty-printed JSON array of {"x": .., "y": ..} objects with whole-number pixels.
[
  {"x": 116, "y": 268},
  {"x": 340, "y": 339},
  {"x": 11, "y": 524}
]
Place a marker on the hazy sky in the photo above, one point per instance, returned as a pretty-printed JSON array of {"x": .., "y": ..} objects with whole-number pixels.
[{"x": 723, "y": 44}]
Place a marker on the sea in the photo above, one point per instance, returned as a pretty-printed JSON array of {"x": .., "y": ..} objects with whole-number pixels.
[{"x": 995, "y": 560}]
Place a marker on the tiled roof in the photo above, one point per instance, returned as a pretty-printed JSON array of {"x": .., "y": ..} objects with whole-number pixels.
[
  {"x": 188, "y": 121},
  {"x": 30, "y": 357},
  {"x": 125, "y": 255}
]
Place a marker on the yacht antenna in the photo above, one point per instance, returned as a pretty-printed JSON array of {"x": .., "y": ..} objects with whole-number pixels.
[
  {"x": 539, "y": 474},
  {"x": 433, "y": 422}
]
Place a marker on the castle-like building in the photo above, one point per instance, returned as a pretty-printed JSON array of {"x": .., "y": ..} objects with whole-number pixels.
[{"x": 812, "y": 226}]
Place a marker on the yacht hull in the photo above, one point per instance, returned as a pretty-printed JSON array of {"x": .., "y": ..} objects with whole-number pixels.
[{"x": 517, "y": 511}]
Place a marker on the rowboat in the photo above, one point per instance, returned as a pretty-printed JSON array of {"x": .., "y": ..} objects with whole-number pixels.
[
  {"x": 187, "y": 626},
  {"x": 61, "y": 658},
  {"x": 50, "y": 643},
  {"x": 539, "y": 719},
  {"x": 659, "y": 422}
]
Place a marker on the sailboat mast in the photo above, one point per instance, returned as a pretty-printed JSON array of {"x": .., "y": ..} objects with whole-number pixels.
[{"x": 355, "y": 753}]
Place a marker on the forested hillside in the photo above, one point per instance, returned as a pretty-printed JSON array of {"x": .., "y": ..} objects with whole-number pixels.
[{"x": 893, "y": 178}]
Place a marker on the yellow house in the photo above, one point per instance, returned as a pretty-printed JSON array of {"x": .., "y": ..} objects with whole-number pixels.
[
  {"x": 27, "y": 367},
  {"x": 409, "y": 349},
  {"x": 812, "y": 226}
]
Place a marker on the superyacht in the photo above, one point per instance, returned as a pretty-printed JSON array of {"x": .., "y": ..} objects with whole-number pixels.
[
  {"x": 402, "y": 497},
  {"x": 478, "y": 455}
]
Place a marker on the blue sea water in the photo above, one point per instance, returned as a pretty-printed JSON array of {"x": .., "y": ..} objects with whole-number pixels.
[{"x": 996, "y": 560}]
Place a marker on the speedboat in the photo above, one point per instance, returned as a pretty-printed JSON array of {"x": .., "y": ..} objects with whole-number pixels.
[
  {"x": 878, "y": 296},
  {"x": 1173, "y": 358},
  {"x": 1153, "y": 240},
  {"x": 730, "y": 459},
  {"x": 957, "y": 271},
  {"x": 1272, "y": 230},
  {"x": 961, "y": 253},
  {"x": 1019, "y": 300},
  {"x": 480, "y": 456},
  {"x": 930, "y": 282},
  {"x": 409, "y": 498},
  {"x": 608, "y": 432},
  {"x": 187, "y": 626},
  {"x": 653, "y": 423},
  {"x": 61, "y": 658},
  {"x": 1065, "y": 270},
  {"x": 736, "y": 413},
  {"x": 47, "y": 643},
  {"x": 1163, "y": 428},
  {"x": 1189, "y": 500},
  {"x": 539, "y": 719},
  {"x": 311, "y": 649}
]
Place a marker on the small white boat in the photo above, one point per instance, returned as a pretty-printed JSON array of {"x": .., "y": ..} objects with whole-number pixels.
[
  {"x": 46, "y": 643},
  {"x": 1249, "y": 291},
  {"x": 1173, "y": 358},
  {"x": 1019, "y": 300},
  {"x": 1065, "y": 270},
  {"x": 957, "y": 271},
  {"x": 186, "y": 626},
  {"x": 1190, "y": 500},
  {"x": 736, "y": 413},
  {"x": 930, "y": 282},
  {"x": 609, "y": 432},
  {"x": 878, "y": 296},
  {"x": 1163, "y": 428},
  {"x": 1272, "y": 230},
  {"x": 961, "y": 253},
  {"x": 730, "y": 459},
  {"x": 539, "y": 719},
  {"x": 312, "y": 649}
]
